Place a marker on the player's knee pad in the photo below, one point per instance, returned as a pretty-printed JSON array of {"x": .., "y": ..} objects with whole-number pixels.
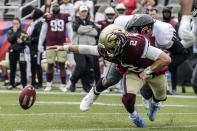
[
  {"x": 146, "y": 91},
  {"x": 128, "y": 100},
  {"x": 112, "y": 80}
]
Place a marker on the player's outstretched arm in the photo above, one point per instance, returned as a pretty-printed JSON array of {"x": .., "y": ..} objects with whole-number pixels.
[{"x": 81, "y": 49}]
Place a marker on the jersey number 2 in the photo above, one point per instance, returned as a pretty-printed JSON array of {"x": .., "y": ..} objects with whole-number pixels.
[{"x": 57, "y": 25}]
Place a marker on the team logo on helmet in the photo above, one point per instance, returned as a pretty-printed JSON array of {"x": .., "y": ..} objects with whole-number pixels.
[{"x": 146, "y": 30}]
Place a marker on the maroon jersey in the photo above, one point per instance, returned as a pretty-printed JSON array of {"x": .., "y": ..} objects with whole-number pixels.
[
  {"x": 56, "y": 33},
  {"x": 133, "y": 53},
  {"x": 104, "y": 23}
]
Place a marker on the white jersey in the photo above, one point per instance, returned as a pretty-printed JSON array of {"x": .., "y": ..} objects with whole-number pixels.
[
  {"x": 123, "y": 20},
  {"x": 69, "y": 9},
  {"x": 164, "y": 33}
]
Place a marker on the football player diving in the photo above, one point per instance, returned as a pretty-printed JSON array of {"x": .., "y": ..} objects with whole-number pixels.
[{"x": 125, "y": 51}]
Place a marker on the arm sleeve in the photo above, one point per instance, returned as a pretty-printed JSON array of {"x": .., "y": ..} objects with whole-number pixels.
[
  {"x": 194, "y": 31},
  {"x": 153, "y": 53},
  {"x": 43, "y": 34},
  {"x": 88, "y": 50},
  {"x": 70, "y": 31}
]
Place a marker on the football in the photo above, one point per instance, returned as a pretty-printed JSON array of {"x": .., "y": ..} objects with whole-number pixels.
[{"x": 27, "y": 97}]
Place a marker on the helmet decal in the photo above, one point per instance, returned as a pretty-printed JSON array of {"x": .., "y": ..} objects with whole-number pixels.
[{"x": 145, "y": 30}]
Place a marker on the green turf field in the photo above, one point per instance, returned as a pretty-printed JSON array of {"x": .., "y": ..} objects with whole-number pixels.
[{"x": 56, "y": 111}]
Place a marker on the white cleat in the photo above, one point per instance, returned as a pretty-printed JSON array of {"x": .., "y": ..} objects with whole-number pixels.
[
  {"x": 63, "y": 88},
  {"x": 48, "y": 88},
  {"x": 68, "y": 84},
  {"x": 88, "y": 100},
  {"x": 145, "y": 103}
]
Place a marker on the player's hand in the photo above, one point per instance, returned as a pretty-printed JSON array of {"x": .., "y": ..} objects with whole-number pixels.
[
  {"x": 144, "y": 76},
  {"x": 57, "y": 48},
  {"x": 40, "y": 48},
  {"x": 185, "y": 32}
]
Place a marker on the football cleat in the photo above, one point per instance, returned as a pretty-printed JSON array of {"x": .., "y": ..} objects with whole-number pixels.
[
  {"x": 153, "y": 107},
  {"x": 88, "y": 100},
  {"x": 48, "y": 88},
  {"x": 137, "y": 120},
  {"x": 63, "y": 88}
]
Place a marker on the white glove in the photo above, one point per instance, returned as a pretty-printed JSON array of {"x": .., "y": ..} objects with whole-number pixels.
[
  {"x": 40, "y": 48},
  {"x": 185, "y": 32}
]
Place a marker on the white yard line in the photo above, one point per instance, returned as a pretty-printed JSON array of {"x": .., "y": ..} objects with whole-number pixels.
[
  {"x": 69, "y": 93},
  {"x": 75, "y": 115},
  {"x": 104, "y": 104},
  {"x": 120, "y": 129},
  {"x": 96, "y": 103}
]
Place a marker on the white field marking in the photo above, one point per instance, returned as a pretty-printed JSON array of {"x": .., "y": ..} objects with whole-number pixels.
[
  {"x": 120, "y": 129},
  {"x": 104, "y": 104},
  {"x": 96, "y": 103},
  {"x": 69, "y": 93},
  {"x": 82, "y": 114}
]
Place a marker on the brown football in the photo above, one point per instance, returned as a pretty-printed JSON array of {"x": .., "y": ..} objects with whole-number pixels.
[{"x": 27, "y": 97}]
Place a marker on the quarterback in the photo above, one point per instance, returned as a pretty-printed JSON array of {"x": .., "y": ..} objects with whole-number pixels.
[{"x": 126, "y": 51}]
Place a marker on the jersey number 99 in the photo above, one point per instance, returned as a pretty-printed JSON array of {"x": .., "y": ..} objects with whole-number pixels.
[{"x": 57, "y": 25}]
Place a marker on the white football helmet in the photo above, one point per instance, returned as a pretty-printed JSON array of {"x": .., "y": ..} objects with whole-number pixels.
[
  {"x": 113, "y": 39},
  {"x": 120, "y": 9},
  {"x": 109, "y": 11}
]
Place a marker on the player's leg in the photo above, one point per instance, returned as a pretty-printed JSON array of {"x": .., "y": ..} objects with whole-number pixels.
[
  {"x": 112, "y": 77},
  {"x": 129, "y": 98},
  {"x": 51, "y": 56},
  {"x": 158, "y": 85},
  {"x": 61, "y": 58}
]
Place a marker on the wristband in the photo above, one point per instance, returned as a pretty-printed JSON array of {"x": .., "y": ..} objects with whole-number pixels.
[
  {"x": 66, "y": 47},
  {"x": 148, "y": 70}
]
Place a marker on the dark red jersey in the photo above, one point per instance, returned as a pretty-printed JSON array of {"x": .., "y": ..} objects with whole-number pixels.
[
  {"x": 56, "y": 33},
  {"x": 133, "y": 53},
  {"x": 104, "y": 23}
]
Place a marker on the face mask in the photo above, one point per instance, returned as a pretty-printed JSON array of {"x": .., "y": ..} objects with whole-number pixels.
[{"x": 56, "y": 12}]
